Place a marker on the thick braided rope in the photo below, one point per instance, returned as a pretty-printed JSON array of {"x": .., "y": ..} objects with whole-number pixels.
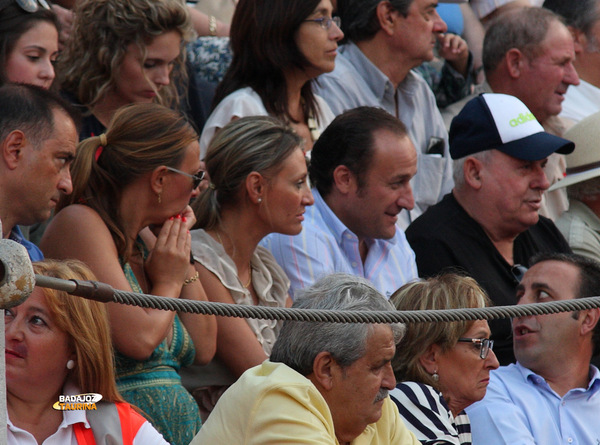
[
  {"x": 92, "y": 290},
  {"x": 236, "y": 310}
]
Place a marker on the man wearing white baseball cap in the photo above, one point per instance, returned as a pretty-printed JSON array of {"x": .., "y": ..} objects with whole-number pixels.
[
  {"x": 581, "y": 223},
  {"x": 489, "y": 224}
]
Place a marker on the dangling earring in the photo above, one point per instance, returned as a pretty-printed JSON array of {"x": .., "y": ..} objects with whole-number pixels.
[
  {"x": 435, "y": 376},
  {"x": 70, "y": 364},
  {"x": 159, "y": 197}
]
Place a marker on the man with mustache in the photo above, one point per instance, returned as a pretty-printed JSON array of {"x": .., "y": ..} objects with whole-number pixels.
[
  {"x": 550, "y": 395},
  {"x": 38, "y": 139},
  {"x": 325, "y": 383},
  {"x": 489, "y": 223}
]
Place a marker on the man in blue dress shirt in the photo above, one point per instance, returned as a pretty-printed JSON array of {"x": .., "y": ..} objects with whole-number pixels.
[
  {"x": 360, "y": 169},
  {"x": 38, "y": 139},
  {"x": 385, "y": 41},
  {"x": 551, "y": 395}
]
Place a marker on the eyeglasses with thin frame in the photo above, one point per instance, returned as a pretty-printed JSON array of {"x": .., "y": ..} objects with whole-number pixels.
[
  {"x": 485, "y": 345},
  {"x": 325, "y": 22},
  {"x": 196, "y": 179}
]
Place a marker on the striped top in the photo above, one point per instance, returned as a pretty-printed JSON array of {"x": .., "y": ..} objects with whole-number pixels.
[{"x": 426, "y": 414}]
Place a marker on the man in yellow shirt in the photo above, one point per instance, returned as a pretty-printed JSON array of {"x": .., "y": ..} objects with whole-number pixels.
[{"x": 325, "y": 383}]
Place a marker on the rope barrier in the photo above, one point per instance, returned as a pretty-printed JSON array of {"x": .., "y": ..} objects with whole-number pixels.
[{"x": 105, "y": 293}]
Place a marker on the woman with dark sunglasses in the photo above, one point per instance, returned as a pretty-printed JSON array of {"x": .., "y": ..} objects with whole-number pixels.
[{"x": 142, "y": 174}]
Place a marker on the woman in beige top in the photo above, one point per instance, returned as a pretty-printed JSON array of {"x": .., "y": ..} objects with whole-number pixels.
[{"x": 258, "y": 186}]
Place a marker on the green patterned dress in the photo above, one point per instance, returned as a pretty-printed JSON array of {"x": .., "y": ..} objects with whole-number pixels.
[{"x": 154, "y": 385}]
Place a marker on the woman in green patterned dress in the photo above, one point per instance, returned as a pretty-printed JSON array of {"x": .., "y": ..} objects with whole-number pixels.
[{"x": 128, "y": 218}]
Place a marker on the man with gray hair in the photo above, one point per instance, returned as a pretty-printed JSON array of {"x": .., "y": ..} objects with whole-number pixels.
[
  {"x": 583, "y": 20},
  {"x": 489, "y": 225},
  {"x": 386, "y": 40},
  {"x": 325, "y": 383},
  {"x": 529, "y": 54}
]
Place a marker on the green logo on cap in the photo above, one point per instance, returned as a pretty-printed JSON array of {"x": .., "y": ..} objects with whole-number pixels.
[{"x": 521, "y": 119}]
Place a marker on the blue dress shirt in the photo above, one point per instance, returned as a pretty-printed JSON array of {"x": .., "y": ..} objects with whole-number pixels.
[
  {"x": 327, "y": 246},
  {"x": 356, "y": 81},
  {"x": 520, "y": 408}
]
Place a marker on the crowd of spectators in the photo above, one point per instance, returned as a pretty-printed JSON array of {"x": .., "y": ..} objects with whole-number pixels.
[{"x": 369, "y": 155}]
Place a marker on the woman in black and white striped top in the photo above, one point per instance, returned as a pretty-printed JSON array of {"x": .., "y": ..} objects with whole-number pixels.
[{"x": 441, "y": 367}]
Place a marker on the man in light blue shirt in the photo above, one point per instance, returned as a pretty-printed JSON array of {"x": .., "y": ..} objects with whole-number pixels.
[
  {"x": 551, "y": 395},
  {"x": 361, "y": 168},
  {"x": 38, "y": 138},
  {"x": 386, "y": 40}
]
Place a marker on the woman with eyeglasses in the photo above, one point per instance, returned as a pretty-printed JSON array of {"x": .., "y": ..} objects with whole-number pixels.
[
  {"x": 278, "y": 47},
  {"x": 128, "y": 219},
  {"x": 28, "y": 42},
  {"x": 258, "y": 186},
  {"x": 441, "y": 368}
]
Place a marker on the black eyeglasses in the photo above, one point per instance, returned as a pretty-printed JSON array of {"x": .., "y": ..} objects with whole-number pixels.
[
  {"x": 326, "y": 22},
  {"x": 32, "y": 5},
  {"x": 196, "y": 179},
  {"x": 485, "y": 345}
]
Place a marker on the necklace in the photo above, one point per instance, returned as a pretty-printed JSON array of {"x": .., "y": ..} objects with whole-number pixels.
[
  {"x": 249, "y": 263},
  {"x": 249, "y": 275}
]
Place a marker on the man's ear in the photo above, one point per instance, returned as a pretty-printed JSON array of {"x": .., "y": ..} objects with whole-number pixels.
[
  {"x": 580, "y": 40},
  {"x": 514, "y": 60},
  {"x": 472, "y": 172},
  {"x": 590, "y": 320},
  {"x": 429, "y": 359},
  {"x": 344, "y": 180},
  {"x": 386, "y": 15},
  {"x": 255, "y": 186},
  {"x": 12, "y": 147},
  {"x": 324, "y": 370}
]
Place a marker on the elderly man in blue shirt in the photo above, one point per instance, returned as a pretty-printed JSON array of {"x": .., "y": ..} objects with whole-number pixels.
[
  {"x": 550, "y": 396},
  {"x": 360, "y": 168}
]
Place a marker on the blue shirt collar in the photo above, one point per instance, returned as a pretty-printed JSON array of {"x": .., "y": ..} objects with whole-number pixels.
[
  {"x": 372, "y": 75},
  {"x": 335, "y": 225},
  {"x": 593, "y": 385}
]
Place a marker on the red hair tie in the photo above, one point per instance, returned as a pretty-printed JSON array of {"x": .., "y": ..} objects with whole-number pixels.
[{"x": 100, "y": 148}]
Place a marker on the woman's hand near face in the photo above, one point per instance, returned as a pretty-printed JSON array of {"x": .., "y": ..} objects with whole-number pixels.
[
  {"x": 169, "y": 259},
  {"x": 188, "y": 217},
  {"x": 78, "y": 232}
]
